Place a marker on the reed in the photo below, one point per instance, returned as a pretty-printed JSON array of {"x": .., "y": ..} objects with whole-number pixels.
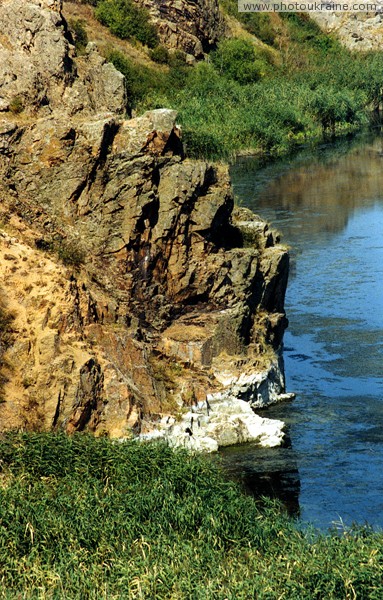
[{"x": 89, "y": 518}]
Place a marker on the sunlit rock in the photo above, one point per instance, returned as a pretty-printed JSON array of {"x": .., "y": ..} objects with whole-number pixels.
[{"x": 218, "y": 422}]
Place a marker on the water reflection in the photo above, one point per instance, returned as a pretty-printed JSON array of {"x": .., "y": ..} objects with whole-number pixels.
[
  {"x": 322, "y": 187},
  {"x": 329, "y": 207}
]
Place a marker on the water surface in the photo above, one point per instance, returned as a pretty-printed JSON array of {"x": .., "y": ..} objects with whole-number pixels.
[{"x": 328, "y": 205}]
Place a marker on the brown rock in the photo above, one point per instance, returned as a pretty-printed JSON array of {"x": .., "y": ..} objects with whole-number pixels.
[
  {"x": 193, "y": 26},
  {"x": 132, "y": 277}
]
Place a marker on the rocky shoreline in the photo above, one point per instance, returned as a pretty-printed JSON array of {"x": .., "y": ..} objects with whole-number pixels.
[{"x": 226, "y": 419}]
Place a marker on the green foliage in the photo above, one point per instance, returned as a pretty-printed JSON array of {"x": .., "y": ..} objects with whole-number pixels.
[
  {"x": 244, "y": 98},
  {"x": 70, "y": 253},
  {"x": 239, "y": 60},
  {"x": 365, "y": 71},
  {"x": 332, "y": 107},
  {"x": 88, "y": 518},
  {"x": 80, "y": 36},
  {"x": 147, "y": 87},
  {"x": 220, "y": 117},
  {"x": 258, "y": 24},
  {"x": 126, "y": 20},
  {"x": 160, "y": 55},
  {"x": 140, "y": 79},
  {"x": 306, "y": 32}
]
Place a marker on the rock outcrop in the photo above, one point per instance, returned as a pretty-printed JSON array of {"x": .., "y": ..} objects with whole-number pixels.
[
  {"x": 135, "y": 285},
  {"x": 357, "y": 31},
  {"x": 37, "y": 72},
  {"x": 216, "y": 423},
  {"x": 193, "y": 26}
]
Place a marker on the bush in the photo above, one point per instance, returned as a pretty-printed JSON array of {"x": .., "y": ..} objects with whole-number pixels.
[
  {"x": 160, "y": 54},
  {"x": 70, "y": 253},
  {"x": 332, "y": 107},
  {"x": 238, "y": 59},
  {"x": 140, "y": 79},
  {"x": 16, "y": 105},
  {"x": 80, "y": 36},
  {"x": 127, "y": 21},
  {"x": 148, "y": 87}
]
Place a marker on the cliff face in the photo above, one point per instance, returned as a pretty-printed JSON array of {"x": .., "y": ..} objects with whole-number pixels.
[
  {"x": 134, "y": 285},
  {"x": 193, "y": 26},
  {"x": 357, "y": 31}
]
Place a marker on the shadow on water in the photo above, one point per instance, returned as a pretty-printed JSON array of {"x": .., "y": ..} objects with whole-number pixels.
[
  {"x": 328, "y": 205},
  {"x": 265, "y": 472}
]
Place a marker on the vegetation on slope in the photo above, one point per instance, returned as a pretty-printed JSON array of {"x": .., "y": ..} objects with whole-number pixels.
[
  {"x": 127, "y": 20},
  {"x": 266, "y": 97},
  {"x": 88, "y": 518}
]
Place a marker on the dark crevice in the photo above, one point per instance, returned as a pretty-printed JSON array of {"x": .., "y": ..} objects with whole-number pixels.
[
  {"x": 110, "y": 132},
  {"x": 174, "y": 145},
  {"x": 149, "y": 215},
  {"x": 57, "y": 411}
]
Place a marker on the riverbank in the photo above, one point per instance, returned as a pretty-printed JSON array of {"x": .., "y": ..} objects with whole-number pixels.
[
  {"x": 328, "y": 205},
  {"x": 239, "y": 99},
  {"x": 87, "y": 518}
]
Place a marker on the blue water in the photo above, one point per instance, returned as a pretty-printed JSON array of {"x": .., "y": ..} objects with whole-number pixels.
[{"x": 328, "y": 205}]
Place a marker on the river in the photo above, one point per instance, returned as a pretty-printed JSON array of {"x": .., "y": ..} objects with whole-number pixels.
[{"x": 328, "y": 205}]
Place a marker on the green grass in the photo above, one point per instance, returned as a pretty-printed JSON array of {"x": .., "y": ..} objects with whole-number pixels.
[
  {"x": 127, "y": 20},
  {"x": 88, "y": 518},
  {"x": 301, "y": 85}
]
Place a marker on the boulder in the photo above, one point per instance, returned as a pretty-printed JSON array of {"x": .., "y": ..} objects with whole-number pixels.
[{"x": 193, "y": 26}]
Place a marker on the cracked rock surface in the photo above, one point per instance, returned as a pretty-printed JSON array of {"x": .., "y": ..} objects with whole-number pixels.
[{"x": 135, "y": 286}]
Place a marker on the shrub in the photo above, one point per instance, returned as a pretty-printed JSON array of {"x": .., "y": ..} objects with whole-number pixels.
[
  {"x": 70, "y": 253},
  {"x": 140, "y": 79},
  {"x": 238, "y": 59},
  {"x": 80, "y": 36},
  {"x": 332, "y": 107},
  {"x": 160, "y": 54},
  {"x": 128, "y": 21},
  {"x": 148, "y": 87}
]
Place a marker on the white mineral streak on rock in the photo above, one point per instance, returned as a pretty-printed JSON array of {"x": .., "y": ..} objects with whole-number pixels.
[
  {"x": 220, "y": 421},
  {"x": 259, "y": 389}
]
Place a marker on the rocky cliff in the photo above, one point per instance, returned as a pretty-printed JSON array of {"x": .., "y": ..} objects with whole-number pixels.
[
  {"x": 357, "y": 31},
  {"x": 133, "y": 286},
  {"x": 194, "y": 26}
]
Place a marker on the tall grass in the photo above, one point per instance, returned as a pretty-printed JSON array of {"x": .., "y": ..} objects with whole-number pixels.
[{"x": 88, "y": 518}]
